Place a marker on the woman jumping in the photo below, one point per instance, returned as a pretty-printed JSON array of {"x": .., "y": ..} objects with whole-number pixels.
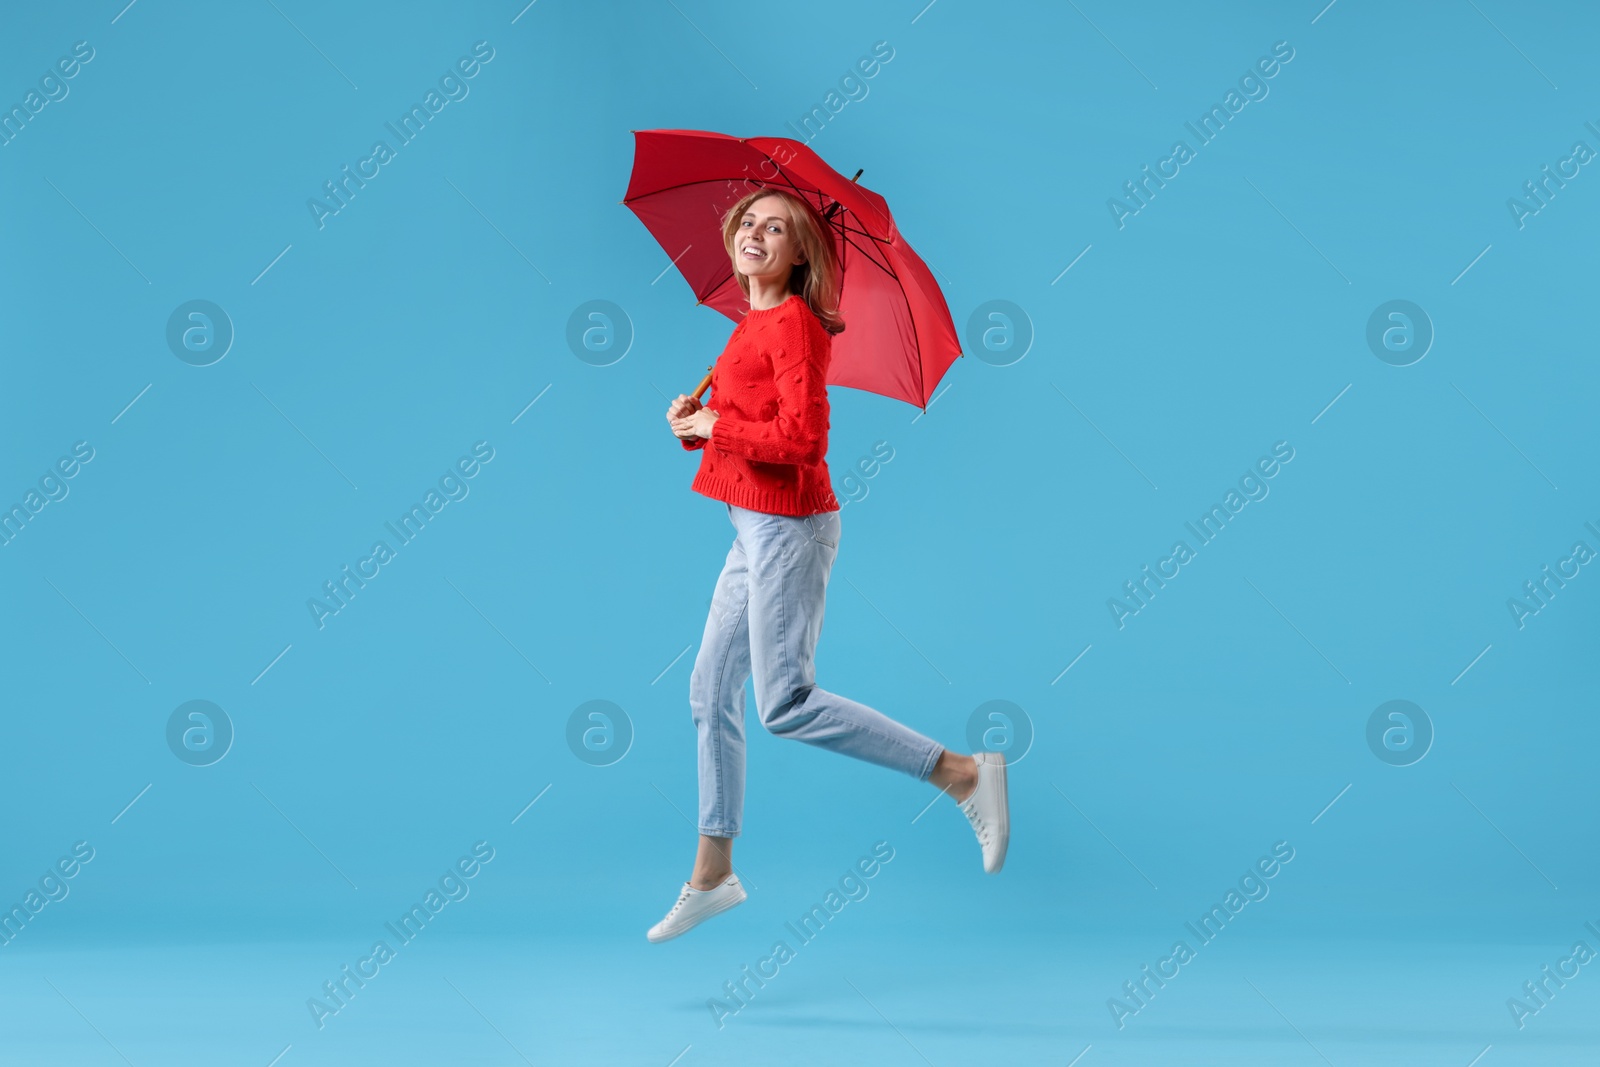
[{"x": 763, "y": 452}]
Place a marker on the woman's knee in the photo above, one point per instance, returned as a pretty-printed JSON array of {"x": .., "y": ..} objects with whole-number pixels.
[{"x": 785, "y": 716}]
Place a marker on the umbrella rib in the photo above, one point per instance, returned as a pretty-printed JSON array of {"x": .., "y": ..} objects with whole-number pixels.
[
  {"x": 881, "y": 266},
  {"x": 863, "y": 231}
]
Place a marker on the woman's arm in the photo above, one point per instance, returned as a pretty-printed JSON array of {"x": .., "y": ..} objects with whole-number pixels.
[{"x": 798, "y": 432}]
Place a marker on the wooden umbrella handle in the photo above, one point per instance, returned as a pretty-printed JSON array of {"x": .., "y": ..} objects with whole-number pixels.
[{"x": 705, "y": 383}]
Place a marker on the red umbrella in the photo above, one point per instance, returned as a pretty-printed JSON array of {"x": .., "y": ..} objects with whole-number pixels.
[{"x": 898, "y": 339}]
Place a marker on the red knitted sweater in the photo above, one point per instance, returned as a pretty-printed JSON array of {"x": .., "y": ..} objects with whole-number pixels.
[{"x": 768, "y": 446}]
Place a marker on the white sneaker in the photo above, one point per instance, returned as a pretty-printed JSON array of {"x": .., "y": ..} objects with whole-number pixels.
[
  {"x": 986, "y": 809},
  {"x": 695, "y": 906}
]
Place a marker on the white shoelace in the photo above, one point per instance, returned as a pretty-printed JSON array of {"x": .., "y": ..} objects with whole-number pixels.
[
  {"x": 683, "y": 898},
  {"x": 970, "y": 808}
]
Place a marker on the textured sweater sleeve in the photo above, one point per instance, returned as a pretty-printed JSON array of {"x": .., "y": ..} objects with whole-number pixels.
[
  {"x": 797, "y": 433},
  {"x": 692, "y": 443}
]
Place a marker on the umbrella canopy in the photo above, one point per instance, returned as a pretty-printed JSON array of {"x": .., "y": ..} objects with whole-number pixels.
[{"x": 898, "y": 339}]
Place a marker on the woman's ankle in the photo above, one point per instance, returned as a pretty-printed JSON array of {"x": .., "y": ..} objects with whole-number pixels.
[{"x": 955, "y": 774}]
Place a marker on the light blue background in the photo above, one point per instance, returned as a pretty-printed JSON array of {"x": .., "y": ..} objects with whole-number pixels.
[{"x": 432, "y": 310}]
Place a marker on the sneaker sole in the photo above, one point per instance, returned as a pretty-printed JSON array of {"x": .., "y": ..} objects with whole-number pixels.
[
  {"x": 1005, "y": 816},
  {"x": 715, "y": 910}
]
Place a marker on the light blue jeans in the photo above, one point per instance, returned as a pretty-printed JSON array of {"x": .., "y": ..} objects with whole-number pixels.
[{"x": 765, "y": 619}]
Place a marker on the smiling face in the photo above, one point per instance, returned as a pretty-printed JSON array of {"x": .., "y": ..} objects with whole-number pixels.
[{"x": 764, "y": 245}]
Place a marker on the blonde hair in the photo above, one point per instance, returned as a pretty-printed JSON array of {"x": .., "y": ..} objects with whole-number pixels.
[{"x": 816, "y": 279}]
